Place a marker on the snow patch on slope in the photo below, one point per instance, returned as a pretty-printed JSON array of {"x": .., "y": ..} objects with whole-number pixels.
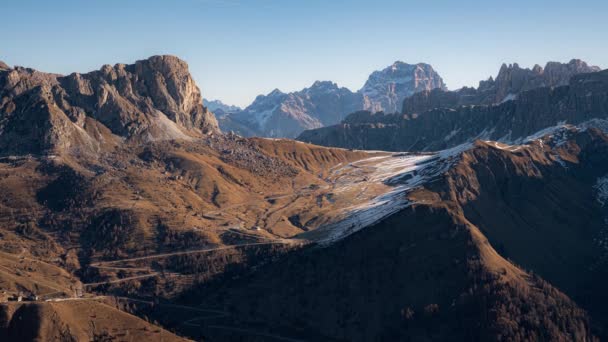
[
  {"x": 401, "y": 172},
  {"x": 509, "y": 97}
]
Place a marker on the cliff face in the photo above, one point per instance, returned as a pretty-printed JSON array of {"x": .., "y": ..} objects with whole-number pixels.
[
  {"x": 153, "y": 99},
  {"x": 585, "y": 98}
]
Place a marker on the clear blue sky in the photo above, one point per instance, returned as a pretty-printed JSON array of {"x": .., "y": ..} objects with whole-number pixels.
[{"x": 238, "y": 49}]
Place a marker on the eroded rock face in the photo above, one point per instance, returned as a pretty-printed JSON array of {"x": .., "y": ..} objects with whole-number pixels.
[{"x": 153, "y": 99}]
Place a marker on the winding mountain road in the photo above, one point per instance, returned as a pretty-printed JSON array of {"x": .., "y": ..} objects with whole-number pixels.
[{"x": 108, "y": 264}]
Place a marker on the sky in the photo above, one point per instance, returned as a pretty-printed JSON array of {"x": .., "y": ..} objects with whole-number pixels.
[{"x": 238, "y": 49}]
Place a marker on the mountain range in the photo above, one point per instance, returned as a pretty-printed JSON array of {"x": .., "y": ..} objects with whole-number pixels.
[
  {"x": 324, "y": 103},
  {"x": 126, "y": 212},
  {"x": 516, "y": 104}
]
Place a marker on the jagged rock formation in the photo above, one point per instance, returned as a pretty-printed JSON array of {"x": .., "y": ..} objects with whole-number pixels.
[
  {"x": 153, "y": 99},
  {"x": 286, "y": 115},
  {"x": 586, "y": 97},
  {"x": 385, "y": 90},
  {"x": 324, "y": 103},
  {"x": 510, "y": 81}
]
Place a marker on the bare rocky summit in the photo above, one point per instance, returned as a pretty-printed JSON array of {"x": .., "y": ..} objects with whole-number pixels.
[
  {"x": 385, "y": 90},
  {"x": 153, "y": 99},
  {"x": 510, "y": 81}
]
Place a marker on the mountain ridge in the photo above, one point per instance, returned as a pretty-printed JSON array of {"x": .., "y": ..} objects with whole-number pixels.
[
  {"x": 324, "y": 103},
  {"x": 509, "y": 82}
]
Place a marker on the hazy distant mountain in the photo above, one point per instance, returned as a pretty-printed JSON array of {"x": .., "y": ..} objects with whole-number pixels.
[
  {"x": 214, "y": 105},
  {"x": 281, "y": 114},
  {"x": 286, "y": 115}
]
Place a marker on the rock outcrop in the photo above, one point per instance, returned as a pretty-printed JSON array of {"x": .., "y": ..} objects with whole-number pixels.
[{"x": 153, "y": 99}]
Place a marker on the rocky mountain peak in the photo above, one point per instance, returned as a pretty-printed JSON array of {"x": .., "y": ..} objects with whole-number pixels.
[
  {"x": 159, "y": 83},
  {"x": 152, "y": 99},
  {"x": 275, "y": 92},
  {"x": 556, "y": 73},
  {"x": 386, "y": 89},
  {"x": 324, "y": 85},
  {"x": 4, "y": 66},
  {"x": 510, "y": 81},
  {"x": 513, "y": 79},
  {"x": 326, "y": 103}
]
